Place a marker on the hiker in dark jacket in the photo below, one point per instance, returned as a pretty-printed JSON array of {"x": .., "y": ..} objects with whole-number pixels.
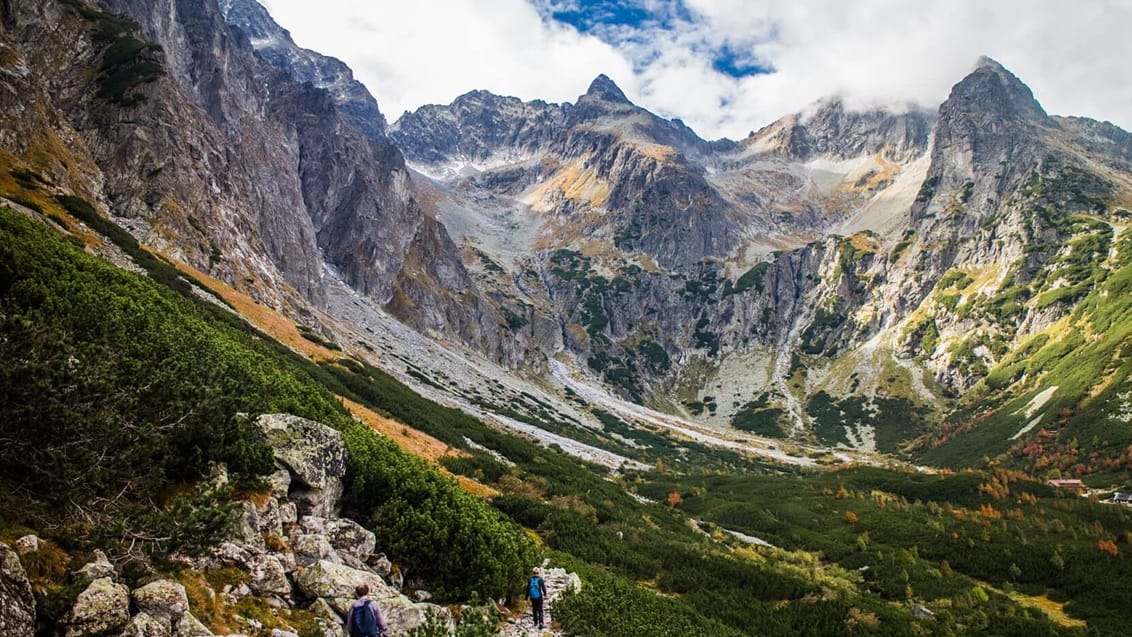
[
  {"x": 364, "y": 618},
  {"x": 536, "y": 592}
]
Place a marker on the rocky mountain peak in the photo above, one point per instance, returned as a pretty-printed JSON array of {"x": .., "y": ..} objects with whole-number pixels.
[
  {"x": 604, "y": 89},
  {"x": 990, "y": 88},
  {"x": 273, "y": 43}
]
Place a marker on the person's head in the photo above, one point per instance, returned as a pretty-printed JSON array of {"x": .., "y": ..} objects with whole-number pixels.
[
  {"x": 535, "y": 571},
  {"x": 361, "y": 590}
]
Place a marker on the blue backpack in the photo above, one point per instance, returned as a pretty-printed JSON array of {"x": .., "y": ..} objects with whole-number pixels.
[
  {"x": 534, "y": 588},
  {"x": 363, "y": 621}
]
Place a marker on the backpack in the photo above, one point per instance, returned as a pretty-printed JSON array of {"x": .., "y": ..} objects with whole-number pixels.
[
  {"x": 363, "y": 621},
  {"x": 534, "y": 588}
]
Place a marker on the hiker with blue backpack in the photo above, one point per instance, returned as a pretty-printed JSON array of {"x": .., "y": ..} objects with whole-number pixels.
[
  {"x": 364, "y": 618},
  {"x": 536, "y": 592}
]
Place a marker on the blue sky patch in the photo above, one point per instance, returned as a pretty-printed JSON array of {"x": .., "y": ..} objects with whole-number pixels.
[{"x": 730, "y": 62}]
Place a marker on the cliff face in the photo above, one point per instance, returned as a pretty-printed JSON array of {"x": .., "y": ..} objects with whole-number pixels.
[{"x": 241, "y": 154}]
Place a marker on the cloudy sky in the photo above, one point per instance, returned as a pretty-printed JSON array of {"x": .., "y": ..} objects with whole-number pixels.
[{"x": 725, "y": 67}]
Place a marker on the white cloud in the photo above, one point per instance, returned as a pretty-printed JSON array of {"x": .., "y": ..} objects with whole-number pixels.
[
  {"x": 430, "y": 51},
  {"x": 1073, "y": 55}
]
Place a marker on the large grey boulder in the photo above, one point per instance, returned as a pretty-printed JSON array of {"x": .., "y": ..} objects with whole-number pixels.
[
  {"x": 102, "y": 608},
  {"x": 267, "y": 574},
  {"x": 315, "y": 456},
  {"x": 17, "y": 603},
  {"x": 346, "y": 536},
  {"x": 163, "y": 600},
  {"x": 310, "y": 549},
  {"x": 334, "y": 583},
  {"x": 190, "y": 626},
  {"x": 145, "y": 625}
]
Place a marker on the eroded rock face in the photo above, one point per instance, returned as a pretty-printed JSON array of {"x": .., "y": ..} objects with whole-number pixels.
[
  {"x": 315, "y": 456},
  {"x": 17, "y": 603},
  {"x": 103, "y": 608}
]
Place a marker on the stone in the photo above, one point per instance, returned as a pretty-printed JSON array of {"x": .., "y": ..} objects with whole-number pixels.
[
  {"x": 323, "y": 612},
  {"x": 268, "y": 520},
  {"x": 280, "y": 483},
  {"x": 275, "y": 632},
  {"x": 233, "y": 594},
  {"x": 381, "y": 565},
  {"x": 310, "y": 548},
  {"x": 345, "y": 535},
  {"x": 102, "y": 608},
  {"x": 190, "y": 626},
  {"x": 26, "y": 544},
  {"x": 268, "y": 577},
  {"x": 288, "y": 513},
  {"x": 245, "y": 526},
  {"x": 314, "y": 454},
  {"x": 162, "y": 599},
  {"x": 98, "y": 569},
  {"x": 402, "y": 615},
  {"x": 335, "y": 583},
  {"x": 145, "y": 625},
  {"x": 266, "y": 572},
  {"x": 17, "y": 602}
]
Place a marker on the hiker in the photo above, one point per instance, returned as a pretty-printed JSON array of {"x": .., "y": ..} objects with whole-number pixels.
[
  {"x": 364, "y": 618},
  {"x": 536, "y": 592}
]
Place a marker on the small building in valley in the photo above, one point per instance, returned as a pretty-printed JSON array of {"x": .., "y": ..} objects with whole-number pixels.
[{"x": 1073, "y": 486}]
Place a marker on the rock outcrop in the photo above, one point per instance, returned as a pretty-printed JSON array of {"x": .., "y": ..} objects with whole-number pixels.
[
  {"x": 17, "y": 603},
  {"x": 315, "y": 456}
]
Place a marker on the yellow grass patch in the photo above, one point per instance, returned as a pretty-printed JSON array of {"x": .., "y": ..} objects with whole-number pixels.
[
  {"x": 417, "y": 443},
  {"x": 1054, "y": 610},
  {"x": 271, "y": 322}
]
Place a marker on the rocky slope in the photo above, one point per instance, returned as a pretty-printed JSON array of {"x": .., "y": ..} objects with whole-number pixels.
[{"x": 288, "y": 551}]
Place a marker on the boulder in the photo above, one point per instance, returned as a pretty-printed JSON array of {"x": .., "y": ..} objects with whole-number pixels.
[
  {"x": 245, "y": 526},
  {"x": 98, "y": 569},
  {"x": 310, "y": 549},
  {"x": 26, "y": 544},
  {"x": 402, "y": 615},
  {"x": 346, "y": 536},
  {"x": 145, "y": 625},
  {"x": 335, "y": 583},
  {"x": 17, "y": 603},
  {"x": 268, "y": 519},
  {"x": 268, "y": 577},
  {"x": 102, "y": 608},
  {"x": 190, "y": 626},
  {"x": 275, "y": 632},
  {"x": 314, "y": 454},
  {"x": 380, "y": 565},
  {"x": 267, "y": 574},
  {"x": 288, "y": 513},
  {"x": 163, "y": 600}
]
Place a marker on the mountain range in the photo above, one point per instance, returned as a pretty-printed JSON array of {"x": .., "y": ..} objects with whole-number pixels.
[{"x": 908, "y": 281}]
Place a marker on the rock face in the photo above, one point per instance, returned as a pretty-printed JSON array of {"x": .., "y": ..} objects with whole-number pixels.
[{"x": 17, "y": 603}]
